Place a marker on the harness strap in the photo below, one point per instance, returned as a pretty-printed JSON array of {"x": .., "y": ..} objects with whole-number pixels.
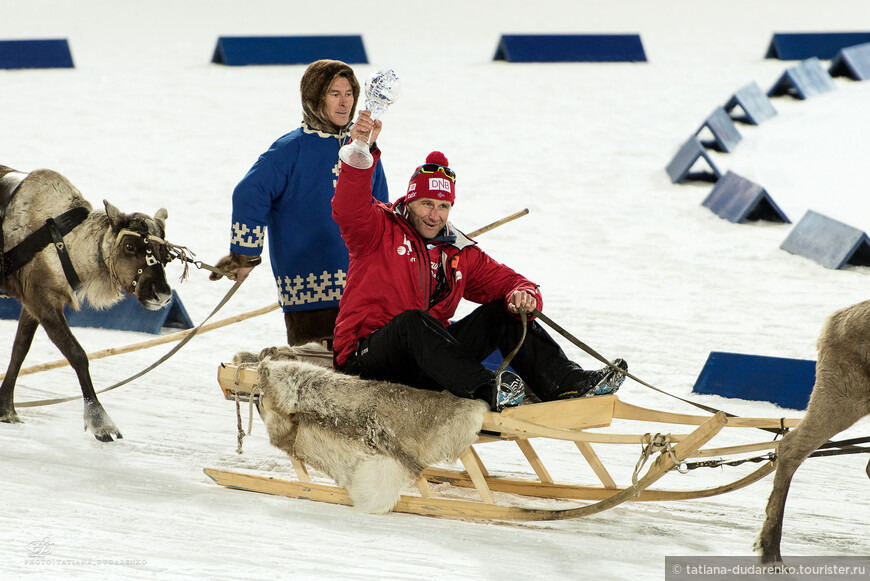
[
  {"x": 52, "y": 232},
  {"x": 68, "y": 270}
]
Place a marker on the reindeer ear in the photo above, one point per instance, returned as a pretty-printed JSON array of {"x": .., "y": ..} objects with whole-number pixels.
[
  {"x": 161, "y": 216},
  {"x": 117, "y": 218}
]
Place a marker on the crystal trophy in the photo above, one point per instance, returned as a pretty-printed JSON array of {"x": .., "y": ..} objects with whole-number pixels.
[{"x": 382, "y": 90}]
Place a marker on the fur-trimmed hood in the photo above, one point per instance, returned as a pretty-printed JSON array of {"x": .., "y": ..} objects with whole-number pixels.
[{"x": 315, "y": 83}]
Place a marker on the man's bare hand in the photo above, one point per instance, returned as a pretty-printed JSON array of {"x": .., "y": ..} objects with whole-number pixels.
[
  {"x": 522, "y": 299},
  {"x": 366, "y": 128}
]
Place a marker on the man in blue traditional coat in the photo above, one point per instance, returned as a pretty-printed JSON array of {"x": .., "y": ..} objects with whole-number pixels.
[{"x": 285, "y": 198}]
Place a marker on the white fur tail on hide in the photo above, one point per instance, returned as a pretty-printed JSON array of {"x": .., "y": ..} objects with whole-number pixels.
[
  {"x": 376, "y": 484},
  {"x": 371, "y": 437}
]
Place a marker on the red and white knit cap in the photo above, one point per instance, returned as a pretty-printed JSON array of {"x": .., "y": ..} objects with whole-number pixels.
[{"x": 434, "y": 180}]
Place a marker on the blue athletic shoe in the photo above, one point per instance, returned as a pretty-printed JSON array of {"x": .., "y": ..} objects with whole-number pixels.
[
  {"x": 509, "y": 390},
  {"x": 610, "y": 380},
  {"x": 599, "y": 382}
]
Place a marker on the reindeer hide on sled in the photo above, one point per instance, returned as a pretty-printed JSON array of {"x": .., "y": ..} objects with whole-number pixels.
[{"x": 371, "y": 437}]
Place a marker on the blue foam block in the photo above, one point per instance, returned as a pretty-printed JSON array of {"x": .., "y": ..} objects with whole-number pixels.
[
  {"x": 808, "y": 79},
  {"x": 829, "y": 242},
  {"x": 494, "y": 360},
  {"x": 35, "y": 54},
  {"x": 795, "y": 46},
  {"x": 754, "y": 103},
  {"x": 721, "y": 126},
  {"x": 288, "y": 50},
  {"x": 127, "y": 315},
  {"x": 550, "y": 48},
  {"x": 852, "y": 62},
  {"x": 785, "y": 382},
  {"x": 739, "y": 200},
  {"x": 9, "y": 308},
  {"x": 679, "y": 169}
]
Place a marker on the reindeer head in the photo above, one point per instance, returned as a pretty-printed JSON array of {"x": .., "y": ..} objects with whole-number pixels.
[{"x": 138, "y": 255}]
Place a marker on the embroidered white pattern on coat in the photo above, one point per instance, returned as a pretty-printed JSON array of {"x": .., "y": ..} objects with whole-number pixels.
[
  {"x": 311, "y": 289},
  {"x": 248, "y": 237}
]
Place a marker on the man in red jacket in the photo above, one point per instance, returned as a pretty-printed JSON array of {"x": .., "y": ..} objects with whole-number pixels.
[{"x": 409, "y": 268}]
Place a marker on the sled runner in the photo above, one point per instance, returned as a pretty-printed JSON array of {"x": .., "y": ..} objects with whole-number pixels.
[{"x": 481, "y": 493}]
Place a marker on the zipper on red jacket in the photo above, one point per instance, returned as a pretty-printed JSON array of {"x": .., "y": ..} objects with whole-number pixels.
[
  {"x": 422, "y": 265},
  {"x": 423, "y": 260},
  {"x": 424, "y": 271}
]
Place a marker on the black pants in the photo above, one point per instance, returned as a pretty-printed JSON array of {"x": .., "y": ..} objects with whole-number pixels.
[{"x": 417, "y": 350}]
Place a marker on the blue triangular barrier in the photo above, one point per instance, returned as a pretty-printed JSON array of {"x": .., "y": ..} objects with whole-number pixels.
[
  {"x": 549, "y": 48},
  {"x": 803, "y": 81},
  {"x": 679, "y": 169},
  {"x": 127, "y": 315},
  {"x": 786, "y": 382},
  {"x": 852, "y": 62},
  {"x": 829, "y": 242},
  {"x": 753, "y": 102},
  {"x": 721, "y": 126},
  {"x": 288, "y": 50},
  {"x": 35, "y": 54},
  {"x": 739, "y": 200},
  {"x": 796, "y": 46}
]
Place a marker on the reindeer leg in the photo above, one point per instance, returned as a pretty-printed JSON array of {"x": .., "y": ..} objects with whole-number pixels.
[
  {"x": 96, "y": 418},
  {"x": 27, "y": 325},
  {"x": 820, "y": 423}
]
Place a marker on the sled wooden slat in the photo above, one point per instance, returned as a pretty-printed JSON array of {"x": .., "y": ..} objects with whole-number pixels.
[
  {"x": 578, "y": 492},
  {"x": 301, "y": 470},
  {"x": 335, "y": 495},
  {"x": 741, "y": 449},
  {"x": 473, "y": 467},
  {"x": 534, "y": 460},
  {"x": 596, "y": 464},
  {"x": 423, "y": 486},
  {"x": 572, "y": 414},
  {"x": 493, "y": 422},
  {"x": 627, "y": 411},
  {"x": 483, "y": 469}
]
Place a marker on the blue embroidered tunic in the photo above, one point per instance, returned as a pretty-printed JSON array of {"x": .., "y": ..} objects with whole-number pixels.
[{"x": 286, "y": 197}]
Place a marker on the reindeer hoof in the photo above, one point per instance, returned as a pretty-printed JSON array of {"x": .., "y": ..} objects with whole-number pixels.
[
  {"x": 107, "y": 434},
  {"x": 108, "y": 437},
  {"x": 98, "y": 422},
  {"x": 10, "y": 418},
  {"x": 8, "y": 414}
]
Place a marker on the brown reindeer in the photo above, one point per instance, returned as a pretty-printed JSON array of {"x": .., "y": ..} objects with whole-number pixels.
[
  {"x": 840, "y": 397},
  {"x": 90, "y": 254}
]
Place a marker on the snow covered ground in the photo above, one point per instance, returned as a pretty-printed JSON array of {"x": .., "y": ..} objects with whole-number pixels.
[{"x": 630, "y": 263}]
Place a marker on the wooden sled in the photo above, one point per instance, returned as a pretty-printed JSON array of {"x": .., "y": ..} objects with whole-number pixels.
[{"x": 581, "y": 421}]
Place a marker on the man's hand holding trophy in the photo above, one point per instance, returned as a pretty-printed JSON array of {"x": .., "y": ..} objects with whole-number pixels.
[{"x": 382, "y": 90}]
